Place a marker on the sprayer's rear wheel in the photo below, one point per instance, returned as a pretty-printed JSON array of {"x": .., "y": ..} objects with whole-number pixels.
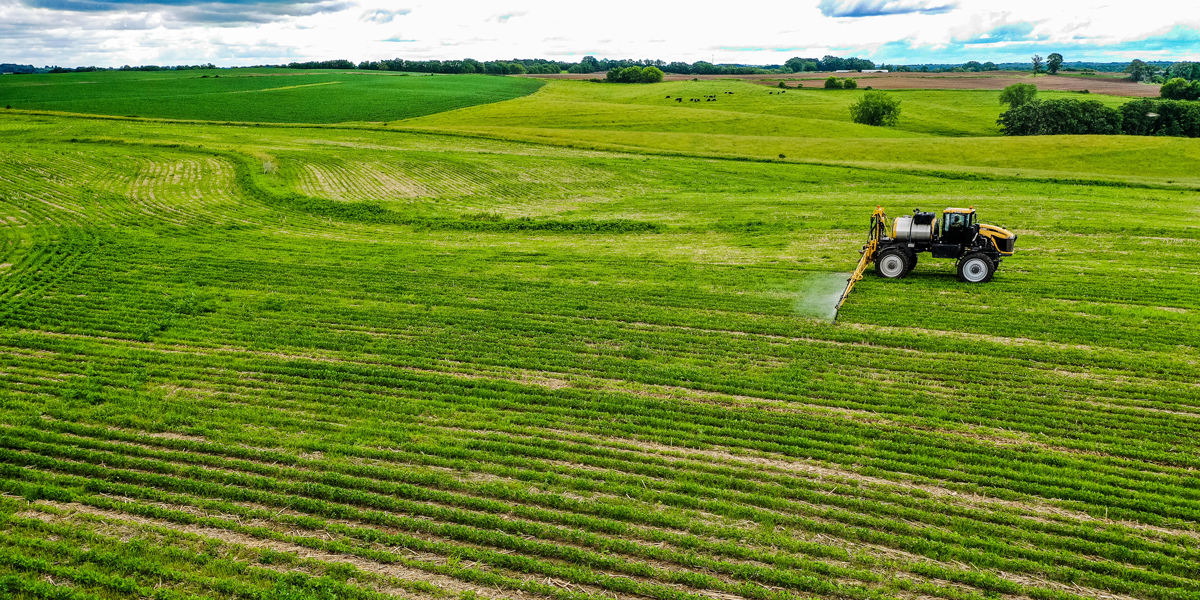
[{"x": 891, "y": 264}]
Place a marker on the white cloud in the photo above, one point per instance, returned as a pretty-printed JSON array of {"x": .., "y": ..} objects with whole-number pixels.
[{"x": 116, "y": 32}]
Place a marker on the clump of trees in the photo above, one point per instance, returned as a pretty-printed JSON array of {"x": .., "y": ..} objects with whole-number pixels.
[
  {"x": 322, "y": 64},
  {"x": 634, "y": 75},
  {"x": 1161, "y": 117},
  {"x": 974, "y": 66},
  {"x": 1140, "y": 70},
  {"x": 467, "y": 66},
  {"x": 1178, "y": 88},
  {"x": 838, "y": 83},
  {"x": 1146, "y": 116},
  {"x": 800, "y": 65},
  {"x": 1060, "y": 117},
  {"x": 1185, "y": 70},
  {"x": 834, "y": 63},
  {"x": 875, "y": 108},
  {"x": 123, "y": 68},
  {"x": 590, "y": 64}
]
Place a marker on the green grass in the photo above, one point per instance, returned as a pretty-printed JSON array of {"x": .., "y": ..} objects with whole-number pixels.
[
  {"x": 942, "y": 130},
  {"x": 263, "y": 95},
  {"x": 356, "y": 362},
  {"x": 751, "y": 110}
]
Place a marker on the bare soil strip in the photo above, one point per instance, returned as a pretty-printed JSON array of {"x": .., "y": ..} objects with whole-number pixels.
[{"x": 993, "y": 80}]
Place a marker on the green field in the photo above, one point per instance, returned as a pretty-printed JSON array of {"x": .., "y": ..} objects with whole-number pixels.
[
  {"x": 942, "y": 130},
  {"x": 272, "y": 95},
  {"x": 438, "y": 360}
]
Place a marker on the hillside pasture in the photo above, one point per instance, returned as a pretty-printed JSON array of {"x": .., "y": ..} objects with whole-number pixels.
[
  {"x": 259, "y": 95},
  {"x": 947, "y": 131}
]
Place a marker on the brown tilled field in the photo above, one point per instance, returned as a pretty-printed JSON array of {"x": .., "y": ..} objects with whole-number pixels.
[{"x": 995, "y": 80}]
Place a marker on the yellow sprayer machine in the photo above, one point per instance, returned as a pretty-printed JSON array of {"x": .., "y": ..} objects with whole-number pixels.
[{"x": 893, "y": 244}]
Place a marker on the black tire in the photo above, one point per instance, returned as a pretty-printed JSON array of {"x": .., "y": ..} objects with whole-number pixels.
[
  {"x": 976, "y": 267},
  {"x": 912, "y": 262},
  {"x": 891, "y": 264}
]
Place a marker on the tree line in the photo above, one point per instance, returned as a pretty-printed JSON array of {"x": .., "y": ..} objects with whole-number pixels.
[
  {"x": 93, "y": 69},
  {"x": 1027, "y": 115},
  {"x": 1138, "y": 70}
]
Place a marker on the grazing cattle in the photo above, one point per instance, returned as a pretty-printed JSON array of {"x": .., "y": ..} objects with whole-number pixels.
[
  {"x": 679, "y": 99},
  {"x": 668, "y": 97}
]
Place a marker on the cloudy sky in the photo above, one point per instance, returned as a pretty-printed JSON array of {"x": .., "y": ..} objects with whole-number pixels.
[{"x": 248, "y": 32}]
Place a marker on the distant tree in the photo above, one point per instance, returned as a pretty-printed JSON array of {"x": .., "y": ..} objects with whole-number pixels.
[
  {"x": 990, "y": 66},
  {"x": 589, "y": 64},
  {"x": 875, "y": 108},
  {"x": 973, "y": 66},
  {"x": 833, "y": 83},
  {"x": 701, "y": 67},
  {"x": 1017, "y": 94},
  {"x": 1036, "y": 59},
  {"x": 849, "y": 84},
  {"x": 1061, "y": 117},
  {"x": 1179, "y": 88},
  {"x": 1139, "y": 70},
  {"x": 1054, "y": 63},
  {"x": 651, "y": 75},
  {"x": 782, "y": 84}
]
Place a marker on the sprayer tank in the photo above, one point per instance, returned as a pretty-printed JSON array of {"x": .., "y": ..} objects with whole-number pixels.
[{"x": 913, "y": 229}]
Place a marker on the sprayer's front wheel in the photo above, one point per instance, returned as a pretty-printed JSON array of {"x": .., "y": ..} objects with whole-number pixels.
[
  {"x": 976, "y": 267},
  {"x": 891, "y": 264}
]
